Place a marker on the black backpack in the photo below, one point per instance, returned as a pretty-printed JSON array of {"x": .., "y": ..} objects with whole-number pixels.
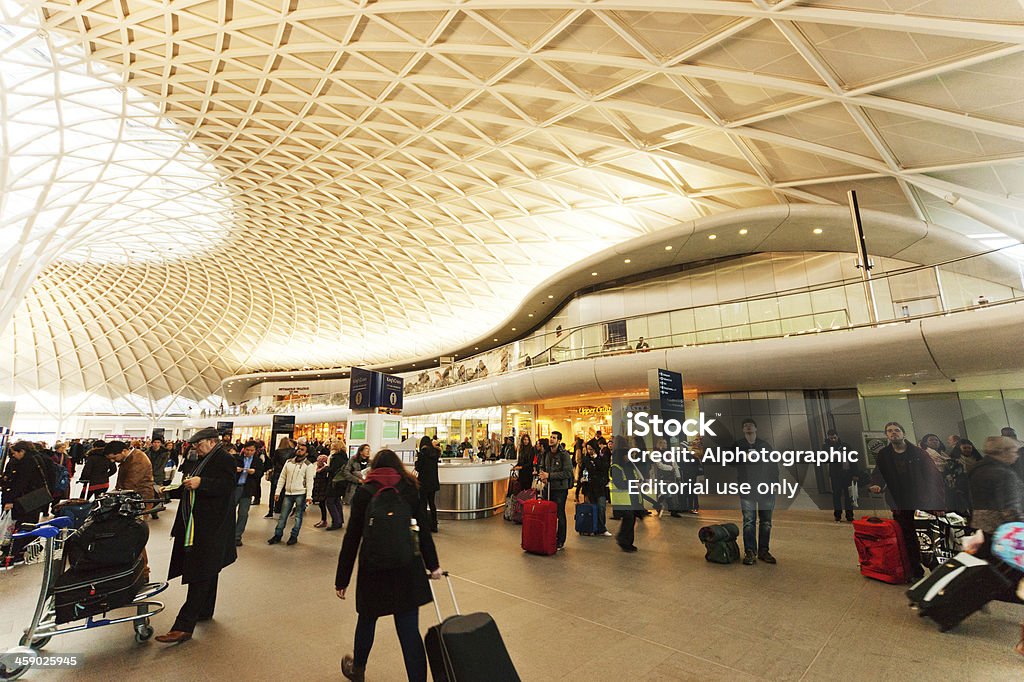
[
  {"x": 388, "y": 539},
  {"x": 720, "y": 543}
]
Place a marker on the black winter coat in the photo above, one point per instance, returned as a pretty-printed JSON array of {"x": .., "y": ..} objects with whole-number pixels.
[
  {"x": 98, "y": 469},
  {"x": 22, "y": 477},
  {"x": 383, "y": 593},
  {"x": 213, "y": 546},
  {"x": 338, "y": 460},
  {"x": 426, "y": 467}
]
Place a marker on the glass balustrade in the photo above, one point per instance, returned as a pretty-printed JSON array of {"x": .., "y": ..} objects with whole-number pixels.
[{"x": 986, "y": 279}]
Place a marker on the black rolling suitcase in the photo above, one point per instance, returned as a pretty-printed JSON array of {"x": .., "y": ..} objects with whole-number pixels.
[
  {"x": 955, "y": 589},
  {"x": 79, "y": 593},
  {"x": 467, "y": 648}
]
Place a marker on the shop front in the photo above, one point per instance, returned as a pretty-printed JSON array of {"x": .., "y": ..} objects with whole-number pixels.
[
  {"x": 322, "y": 432},
  {"x": 583, "y": 418}
]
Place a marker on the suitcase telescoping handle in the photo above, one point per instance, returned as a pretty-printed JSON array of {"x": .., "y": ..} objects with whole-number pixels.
[{"x": 451, "y": 590}]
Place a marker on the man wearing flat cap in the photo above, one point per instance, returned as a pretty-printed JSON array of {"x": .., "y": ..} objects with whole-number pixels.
[{"x": 203, "y": 532}]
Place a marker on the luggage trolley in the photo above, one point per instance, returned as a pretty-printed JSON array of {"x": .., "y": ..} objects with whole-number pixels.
[{"x": 44, "y": 620}]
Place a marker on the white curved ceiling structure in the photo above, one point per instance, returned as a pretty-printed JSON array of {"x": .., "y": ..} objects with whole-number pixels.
[{"x": 393, "y": 177}]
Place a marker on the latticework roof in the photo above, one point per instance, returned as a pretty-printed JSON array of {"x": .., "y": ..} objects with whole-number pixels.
[{"x": 359, "y": 182}]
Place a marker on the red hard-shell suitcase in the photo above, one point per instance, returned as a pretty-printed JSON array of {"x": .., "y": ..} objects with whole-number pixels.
[
  {"x": 540, "y": 527},
  {"x": 881, "y": 550}
]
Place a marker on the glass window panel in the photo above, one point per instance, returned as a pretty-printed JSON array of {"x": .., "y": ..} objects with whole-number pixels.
[
  {"x": 984, "y": 414},
  {"x": 1013, "y": 401}
]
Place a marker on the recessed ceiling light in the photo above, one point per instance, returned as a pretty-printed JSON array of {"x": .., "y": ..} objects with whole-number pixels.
[
  {"x": 904, "y": 390},
  {"x": 495, "y": 339},
  {"x": 593, "y": 274},
  {"x": 818, "y": 230},
  {"x": 627, "y": 261},
  {"x": 743, "y": 231},
  {"x": 530, "y": 315},
  {"x": 668, "y": 248},
  {"x": 550, "y": 296},
  {"x": 712, "y": 236},
  {"x": 414, "y": 364},
  {"x": 513, "y": 328}
]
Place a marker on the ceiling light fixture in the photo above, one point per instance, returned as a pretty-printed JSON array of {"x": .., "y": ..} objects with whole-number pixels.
[
  {"x": 818, "y": 230},
  {"x": 904, "y": 390},
  {"x": 743, "y": 231},
  {"x": 668, "y": 248},
  {"x": 627, "y": 261},
  {"x": 712, "y": 236},
  {"x": 550, "y": 296},
  {"x": 530, "y": 315},
  {"x": 593, "y": 274}
]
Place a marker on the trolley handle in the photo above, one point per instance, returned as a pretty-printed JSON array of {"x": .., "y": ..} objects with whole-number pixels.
[{"x": 451, "y": 590}]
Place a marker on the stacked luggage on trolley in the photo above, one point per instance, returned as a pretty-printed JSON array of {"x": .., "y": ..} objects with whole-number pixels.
[
  {"x": 102, "y": 568},
  {"x": 105, "y": 568}
]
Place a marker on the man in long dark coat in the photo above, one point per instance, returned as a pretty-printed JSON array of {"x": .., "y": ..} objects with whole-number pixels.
[{"x": 203, "y": 532}]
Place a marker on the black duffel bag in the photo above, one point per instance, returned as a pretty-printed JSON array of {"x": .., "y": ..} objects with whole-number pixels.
[
  {"x": 82, "y": 592},
  {"x": 111, "y": 541}
]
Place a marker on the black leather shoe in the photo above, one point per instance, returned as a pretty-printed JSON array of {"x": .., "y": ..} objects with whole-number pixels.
[
  {"x": 749, "y": 559},
  {"x": 274, "y": 540},
  {"x": 767, "y": 558},
  {"x": 292, "y": 540}
]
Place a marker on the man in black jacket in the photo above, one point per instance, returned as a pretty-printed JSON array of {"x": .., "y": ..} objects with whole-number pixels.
[
  {"x": 841, "y": 476},
  {"x": 249, "y": 468},
  {"x": 757, "y": 507},
  {"x": 910, "y": 480},
  {"x": 203, "y": 531}
]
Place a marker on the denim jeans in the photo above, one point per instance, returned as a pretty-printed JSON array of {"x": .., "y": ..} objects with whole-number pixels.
[
  {"x": 287, "y": 502},
  {"x": 757, "y": 522},
  {"x": 407, "y": 625},
  {"x": 242, "y": 502},
  {"x": 559, "y": 497}
]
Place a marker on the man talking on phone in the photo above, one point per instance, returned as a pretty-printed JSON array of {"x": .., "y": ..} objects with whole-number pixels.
[{"x": 203, "y": 532}]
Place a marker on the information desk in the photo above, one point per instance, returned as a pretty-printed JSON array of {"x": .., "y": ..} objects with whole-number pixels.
[{"x": 471, "y": 490}]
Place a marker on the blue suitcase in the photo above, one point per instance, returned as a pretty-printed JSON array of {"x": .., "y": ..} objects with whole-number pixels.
[{"x": 586, "y": 518}]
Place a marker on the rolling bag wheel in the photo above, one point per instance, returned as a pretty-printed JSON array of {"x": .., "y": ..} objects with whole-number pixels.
[
  {"x": 143, "y": 632},
  {"x": 37, "y": 644}
]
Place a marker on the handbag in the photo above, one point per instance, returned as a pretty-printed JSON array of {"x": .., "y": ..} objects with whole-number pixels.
[
  {"x": 37, "y": 499},
  {"x": 34, "y": 500}
]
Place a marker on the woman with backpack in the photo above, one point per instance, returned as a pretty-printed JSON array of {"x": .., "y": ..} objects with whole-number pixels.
[
  {"x": 394, "y": 558},
  {"x": 65, "y": 470}
]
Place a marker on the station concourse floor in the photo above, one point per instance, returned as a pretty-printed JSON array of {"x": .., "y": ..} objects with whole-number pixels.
[{"x": 590, "y": 613}]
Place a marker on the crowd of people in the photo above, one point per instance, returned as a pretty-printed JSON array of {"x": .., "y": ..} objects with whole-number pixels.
[{"x": 222, "y": 480}]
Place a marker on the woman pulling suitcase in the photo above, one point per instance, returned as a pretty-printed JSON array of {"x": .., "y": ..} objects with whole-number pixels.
[{"x": 394, "y": 558}]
